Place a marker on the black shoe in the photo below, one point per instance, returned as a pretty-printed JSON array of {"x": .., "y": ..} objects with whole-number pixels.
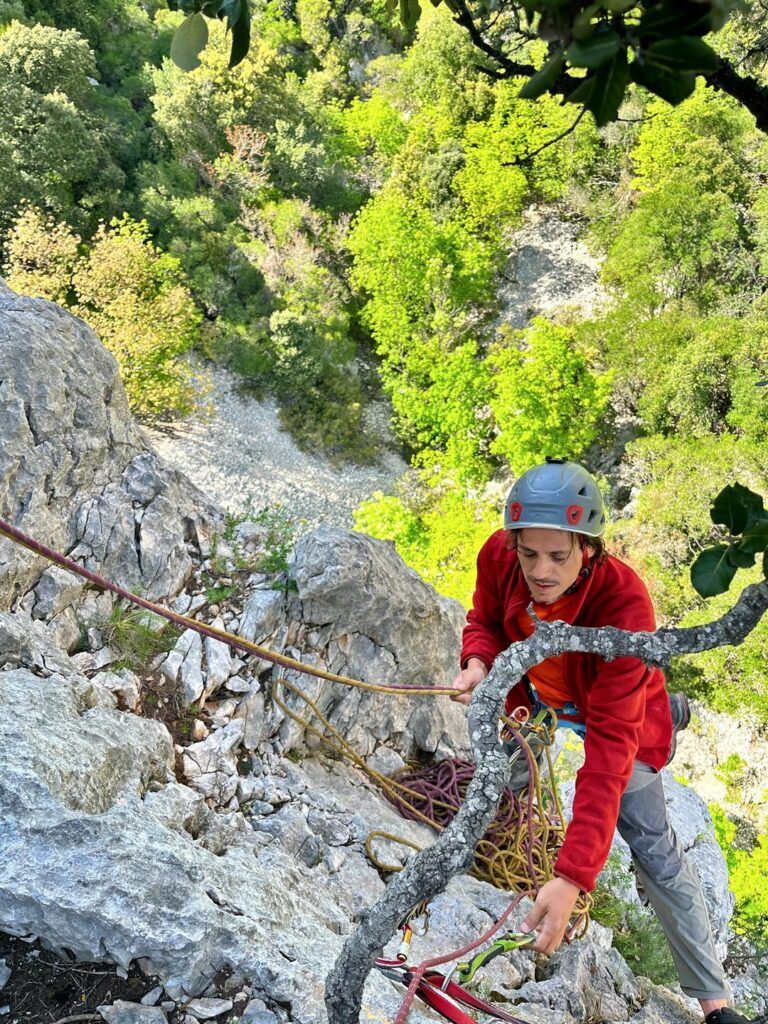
[
  {"x": 681, "y": 716},
  {"x": 729, "y": 1016}
]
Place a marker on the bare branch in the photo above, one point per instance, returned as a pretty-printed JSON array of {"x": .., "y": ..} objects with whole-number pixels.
[
  {"x": 558, "y": 138},
  {"x": 509, "y": 68},
  {"x": 428, "y": 873}
]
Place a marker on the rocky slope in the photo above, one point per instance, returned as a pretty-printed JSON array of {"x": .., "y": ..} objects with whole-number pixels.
[{"x": 165, "y": 812}]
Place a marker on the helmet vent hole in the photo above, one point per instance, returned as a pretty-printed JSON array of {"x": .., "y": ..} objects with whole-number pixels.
[
  {"x": 583, "y": 492},
  {"x": 592, "y": 514}
]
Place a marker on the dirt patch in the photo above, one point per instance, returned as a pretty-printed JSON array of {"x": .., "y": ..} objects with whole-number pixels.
[
  {"x": 43, "y": 988},
  {"x": 47, "y": 989}
]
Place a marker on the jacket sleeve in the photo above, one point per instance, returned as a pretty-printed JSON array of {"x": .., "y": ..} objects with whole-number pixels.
[
  {"x": 483, "y": 635},
  {"x": 613, "y": 717}
]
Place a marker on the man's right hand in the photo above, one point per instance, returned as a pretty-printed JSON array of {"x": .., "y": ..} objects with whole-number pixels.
[{"x": 466, "y": 681}]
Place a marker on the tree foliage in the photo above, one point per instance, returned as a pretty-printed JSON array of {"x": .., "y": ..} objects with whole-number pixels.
[
  {"x": 55, "y": 140},
  {"x": 127, "y": 291},
  {"x": 546, "y": 398}
]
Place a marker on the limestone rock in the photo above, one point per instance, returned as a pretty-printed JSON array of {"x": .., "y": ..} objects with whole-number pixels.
[
  {"x": 185, "y": 664},
  {"x": 75, "y": 470},
  {"x": 386, "y": 625},
  {"x": 218, "y": 661},
  {"x": 211, "y": 766},
  {"x": 124, "y": 684},
  {"x": 587, "y": 979},
  {"x": 262, "y": 614},
  {"x": 153, "y": 997},
  {"x": 178, "y": 807},
  {"x": 207, "y": 1007},
  {"x": 256, "y": 1012},
  {"x": 87, "y": 759},
  {"x": 121, "y": 1012},
  {"x": 25, "y": 643},
  {"x": 5, "y": 973}
]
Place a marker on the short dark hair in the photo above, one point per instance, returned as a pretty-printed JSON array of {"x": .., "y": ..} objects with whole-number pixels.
[{"x": 596, "y": 543}]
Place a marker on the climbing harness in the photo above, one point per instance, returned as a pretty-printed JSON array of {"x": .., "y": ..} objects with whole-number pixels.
[{"x": 515, "y": 854}]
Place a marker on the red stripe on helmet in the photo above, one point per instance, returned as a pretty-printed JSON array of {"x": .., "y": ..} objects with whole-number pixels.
[{"x": 515, "y": 511}]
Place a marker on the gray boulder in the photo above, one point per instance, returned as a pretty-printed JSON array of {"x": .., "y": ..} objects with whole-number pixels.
[
  {"x": 383, "y": 624},
  {"x": 76, "y": 472}
]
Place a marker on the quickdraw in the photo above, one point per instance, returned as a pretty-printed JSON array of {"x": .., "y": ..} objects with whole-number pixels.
[
  {"x": 443, "y": 995},
  {"x": 440, "y": 991},
  {"x": 514, "y": 940}
]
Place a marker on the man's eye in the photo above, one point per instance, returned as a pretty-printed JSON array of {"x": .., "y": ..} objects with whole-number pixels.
[{"x": 560, "y": 558}]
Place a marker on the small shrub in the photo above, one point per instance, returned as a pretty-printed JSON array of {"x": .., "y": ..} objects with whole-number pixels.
[
  {"x": 137, "y": 637},
  {"x": 748, "y": 870},
  {"x": 637, "y": 935},
  {"x": 279, "y": 539}
]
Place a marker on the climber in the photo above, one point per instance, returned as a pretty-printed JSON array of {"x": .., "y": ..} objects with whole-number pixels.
[{"x": 551, "y": 554}]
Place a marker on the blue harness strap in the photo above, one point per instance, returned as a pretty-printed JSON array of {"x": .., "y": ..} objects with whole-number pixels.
[{"x": 569, "y": 709}]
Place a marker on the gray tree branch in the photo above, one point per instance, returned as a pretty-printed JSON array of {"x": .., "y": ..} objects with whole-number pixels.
[{"x": 428, "y": 873}]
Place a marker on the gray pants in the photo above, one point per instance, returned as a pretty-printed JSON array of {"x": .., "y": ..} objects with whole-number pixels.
[
  {"x": 668, "y": 877},
  {"x": 671, "y": 884}
]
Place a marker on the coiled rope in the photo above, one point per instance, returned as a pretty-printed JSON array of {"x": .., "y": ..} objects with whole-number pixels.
[{"x": 517, "y": 851}]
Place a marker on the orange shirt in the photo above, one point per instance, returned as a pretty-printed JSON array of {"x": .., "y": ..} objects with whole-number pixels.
[{"x": 548, "y": 677}]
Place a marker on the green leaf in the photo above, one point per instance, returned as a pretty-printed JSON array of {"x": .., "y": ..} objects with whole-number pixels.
[
  {"x": 765, "y": 564},
  {"x": 583, "y": 92},
  {"x": 676, "y": 18},
  {"x": 684, "y": 53},
  {"x": 739, "y": 556},
  {"x": 672, "y": 87},
  {"x": 188, "y": 40},
  {"x": 755, "y": 537},
  {"x": 712, "y": 573},
  {"x": 231, "y": 9},
  {"x": 736, "y": 508},
  {"x": 241, "y": 36},
  {"x": 595, "y": 51},
  {"x": 582, "y": 24},
  {"x": 610, "y": 85},
  {"x": 545, "y": 78},
  {"x": 410, "y": 12}
]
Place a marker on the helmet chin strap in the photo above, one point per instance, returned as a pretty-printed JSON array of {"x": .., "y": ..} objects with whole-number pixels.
[{"x": 584, "y": 571}]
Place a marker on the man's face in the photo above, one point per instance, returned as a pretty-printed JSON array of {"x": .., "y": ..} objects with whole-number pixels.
[{"x": 550, "y": 560}]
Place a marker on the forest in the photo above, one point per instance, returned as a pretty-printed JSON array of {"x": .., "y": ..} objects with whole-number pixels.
[{"x": 331, "y": 219}]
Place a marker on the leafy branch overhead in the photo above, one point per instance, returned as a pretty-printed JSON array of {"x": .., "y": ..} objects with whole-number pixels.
[
  {"x": 742, "y": 513},
  {"x": 192, "y": 35},
  {"x": 595, "y": 51}
]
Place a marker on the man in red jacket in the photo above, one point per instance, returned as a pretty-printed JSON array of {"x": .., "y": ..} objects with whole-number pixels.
[{"x": 550, "y": 553}]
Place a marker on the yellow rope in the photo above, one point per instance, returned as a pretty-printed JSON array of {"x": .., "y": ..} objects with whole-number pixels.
[{"x": 503, "y": 862}]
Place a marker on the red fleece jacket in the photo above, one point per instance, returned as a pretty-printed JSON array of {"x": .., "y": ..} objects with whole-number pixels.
[{"x": 623, "y": 703}]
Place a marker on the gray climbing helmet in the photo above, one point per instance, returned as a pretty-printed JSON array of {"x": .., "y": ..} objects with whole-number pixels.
[{"x": 559, "y": 495}]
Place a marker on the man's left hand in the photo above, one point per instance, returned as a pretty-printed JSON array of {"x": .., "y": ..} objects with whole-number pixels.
[{"x": 551, "y": 914}]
